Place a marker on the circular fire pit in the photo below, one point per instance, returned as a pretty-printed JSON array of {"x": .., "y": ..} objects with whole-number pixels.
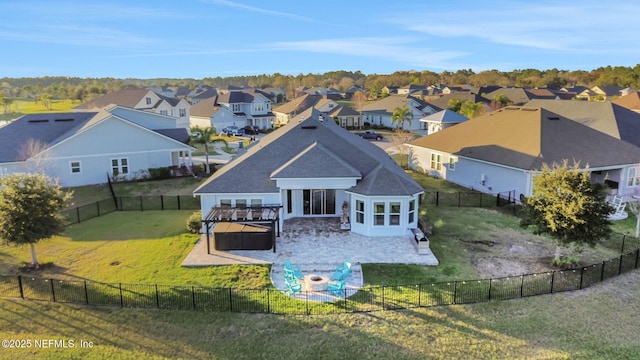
[{"x": 315, "y": 282}]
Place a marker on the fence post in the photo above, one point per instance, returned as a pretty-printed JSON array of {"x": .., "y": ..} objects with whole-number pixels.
[
  {"x": 637, "y": 255},
  {"x": 78, "y": 214},
  {"x": 157, "y": 297},
  {"x": 141, "y": 205},
  {"x": 179, "y": 208},
  {"x": 161, "y": 202},
  {"x": 306, "y": 302},
  {"x": 98, "y": 207},
  {"x": 490, "y": 282},
  {"x": 419, "y": 295},
  {"x": 581, "y": 277},
  {"x": 268, "y": 301},
  {"x": 20, "y": 286},
  {"x": 553, "y": 277},
  {"x": 230, "y": 301},
  {"x": 521, "y": 285},
  {"x": 86, "y": 292},
  {"x": 498, "y": 200},
  {"x": 53, "y": 293},
  {"x": 383, "y": 297},
  {"x": 481, "y": 200},
  {"x": 602, "y": 272},
  {"x": 193, "y": 296},
  {"x": 121, "y": 297},
  {"x": 620, "y": 265},
  {"x": 455, "y": 291},
  {"x": 437, "y": 197},
  {"x": 459, "y": 198},
  {"x": 623, "y": 238}
]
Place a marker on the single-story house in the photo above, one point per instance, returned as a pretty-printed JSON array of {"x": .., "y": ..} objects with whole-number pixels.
[
  {"x": 83, "y": 148},
  {"x": 311, "y": 167},
  {"x": 502, "y": 151},
  {"x": 380, "y": 112}
]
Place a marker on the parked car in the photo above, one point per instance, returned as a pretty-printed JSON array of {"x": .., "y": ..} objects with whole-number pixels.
[
  {"x": 371, "y": 135},
  {"x": 251, "y": 130},
  {"x": 233, "y": 131}
]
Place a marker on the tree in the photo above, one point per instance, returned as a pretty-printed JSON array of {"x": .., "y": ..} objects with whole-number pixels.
[
  {"x": 471, "y": 109},
  {"x": 205, "y": 138},
  {"x": 400, "y": 116},
  {"x": 30, "y": 207},
  {"x": 454, "y": 104},
  {"x": 359, "y": 98},
  {"x": 398, "y": 141},
  {"x": 46, "y": 99},
  {"x": 568, "y": 207},
  {"x": 502, "y": 99}
]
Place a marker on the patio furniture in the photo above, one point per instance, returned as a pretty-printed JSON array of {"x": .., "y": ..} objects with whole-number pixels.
[
  {"x": 345, "y": 269},
  {"x": 293, "y": 287},
  {"x": 337, "y": 288},
  {"x": 618, "y": 206},
  {"x": 337, "y": 276},
  {"x": 290, "y": 269}
]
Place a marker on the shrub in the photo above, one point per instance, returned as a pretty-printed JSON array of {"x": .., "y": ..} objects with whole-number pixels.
[
  {"x": 159, "y": 173},
  {"x": 566, "y": 262},
  {"x": 194, "y": 222}
]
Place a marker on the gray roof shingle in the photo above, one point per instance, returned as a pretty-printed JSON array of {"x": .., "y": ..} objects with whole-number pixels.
[{"x": 317, "y": 148}]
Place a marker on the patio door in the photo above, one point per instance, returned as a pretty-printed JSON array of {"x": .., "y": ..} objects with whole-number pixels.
[{"x": 319, "y": 202}]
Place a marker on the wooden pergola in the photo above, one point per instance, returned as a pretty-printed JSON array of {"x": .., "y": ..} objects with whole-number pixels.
[{"x": 245, "y": 214}]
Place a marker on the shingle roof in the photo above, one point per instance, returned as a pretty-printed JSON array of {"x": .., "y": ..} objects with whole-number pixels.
[
  {"x": 518, "y": 96},
  {"x": 392, "y": 102},
  {"x": 299, "y": 104},
  {"x": 320, "y": 148},
  {"x": 630, "y": 101},
  {"x": 445, "y": 117},
  {"x": 46, "y": 129},
  {"x": 443, "y": 101},
  {"x": 205, "y": 108},
  {"x": 178, "y": 134},
  {"x": 124, "y": 97},
  {"x": 606, "y": 117},
  {"x": 527, "y": 137}
]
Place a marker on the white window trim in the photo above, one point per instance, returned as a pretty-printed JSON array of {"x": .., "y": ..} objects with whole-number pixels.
[
  {"x": 119, "y": 165},
  {"x": 633, "y": 178},
  {"x": 453, "y": 160},
  {"x": 79, "y": 167},
  {"x": 437, "y": 161}
]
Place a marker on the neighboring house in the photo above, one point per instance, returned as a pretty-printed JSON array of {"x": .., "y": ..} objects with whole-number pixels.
[
  {"x": 83, "y": 148},
  {"x": 285, "y": 112},
  {"x": 380, "y": 112},
  {"x": 142, "y": 99},
  {"x": 390, "y": 90},
  {"x": 442, "y": 102},
  {"x": 502, "y": 151},
  {"x": 348, "y": 94},
  {"x": 520, "y": 96},
  {"x": 601, "y": 93},
  {"x": 410, "y": 89},
  {"x": 200, "y": 93},
  {"x": 630, "y": 101},
  {"x": 346, "y": 116},
  {"x": 611, "y": 119},
  {"x": 278, "y": 94},
  {"x": 233, "y": 108},
  {"x": 312, "y": 168},
  {"x": 442, "y": 120}
]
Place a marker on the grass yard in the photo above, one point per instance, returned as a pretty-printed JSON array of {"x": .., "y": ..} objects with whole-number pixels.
[
  {"x": 131, "y": 247},
  {"x": 23, "y": 107},
  {"x": 590, "y": 324}
]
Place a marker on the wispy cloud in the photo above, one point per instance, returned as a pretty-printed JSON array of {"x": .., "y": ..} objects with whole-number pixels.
[
  {"x": 82, "y": 11},
  {"x": 76, "y": 35},
  {"x": 558, "y": 27},
  {"x": 404, "y": 50},
  {"x": 250, "y": 8}
]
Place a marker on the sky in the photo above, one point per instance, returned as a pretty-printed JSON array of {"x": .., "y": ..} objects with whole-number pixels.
[{"x": 209, "y": 38}]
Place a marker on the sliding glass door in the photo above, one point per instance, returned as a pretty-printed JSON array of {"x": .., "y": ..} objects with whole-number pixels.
[{"x": 319, "y": 202}]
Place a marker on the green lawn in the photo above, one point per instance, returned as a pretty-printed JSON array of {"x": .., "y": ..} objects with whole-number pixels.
[
  {"x": 131, "y": 247},
  {"x": 23, "y": 107},
  {"x": 590, "y": 324}
]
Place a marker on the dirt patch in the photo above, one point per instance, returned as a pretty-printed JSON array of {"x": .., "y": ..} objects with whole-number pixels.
[{"x": 506, "y": 252}]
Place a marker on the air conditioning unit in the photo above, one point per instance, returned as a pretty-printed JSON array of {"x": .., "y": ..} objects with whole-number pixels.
[{"x": 483, "y": 179}]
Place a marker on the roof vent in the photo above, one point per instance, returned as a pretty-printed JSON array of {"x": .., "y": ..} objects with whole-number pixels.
[
  {"x": 553, "y": 118},
  {"x": 39, "y": 120},
  {"x": 309, "y": 127},
  {"x": 61, "y": 120}
]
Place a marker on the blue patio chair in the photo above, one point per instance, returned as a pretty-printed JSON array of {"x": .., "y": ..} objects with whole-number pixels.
[
  {"x": 292, "y": 270},
  {"x": 344, "y": 268},
  {"x": 337, "y": 276},
  {"x": 293, "y": 287},
  {"x": 337, "y": 288}
]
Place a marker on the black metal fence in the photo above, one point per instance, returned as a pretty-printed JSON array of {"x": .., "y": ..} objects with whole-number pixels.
[
  {"x": 131, "y": 203},
  {"x": 350, "y": 300},
  {"x": 470, "y": 198}
]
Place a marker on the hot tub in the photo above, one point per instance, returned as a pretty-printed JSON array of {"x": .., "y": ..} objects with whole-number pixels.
[{"x": 238, "y": 236}]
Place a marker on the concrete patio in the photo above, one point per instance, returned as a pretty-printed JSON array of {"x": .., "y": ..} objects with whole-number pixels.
[{"x": 317, "y": 245}]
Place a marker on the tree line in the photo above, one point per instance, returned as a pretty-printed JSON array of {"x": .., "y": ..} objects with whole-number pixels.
[{"x": 83, "y": 89}]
